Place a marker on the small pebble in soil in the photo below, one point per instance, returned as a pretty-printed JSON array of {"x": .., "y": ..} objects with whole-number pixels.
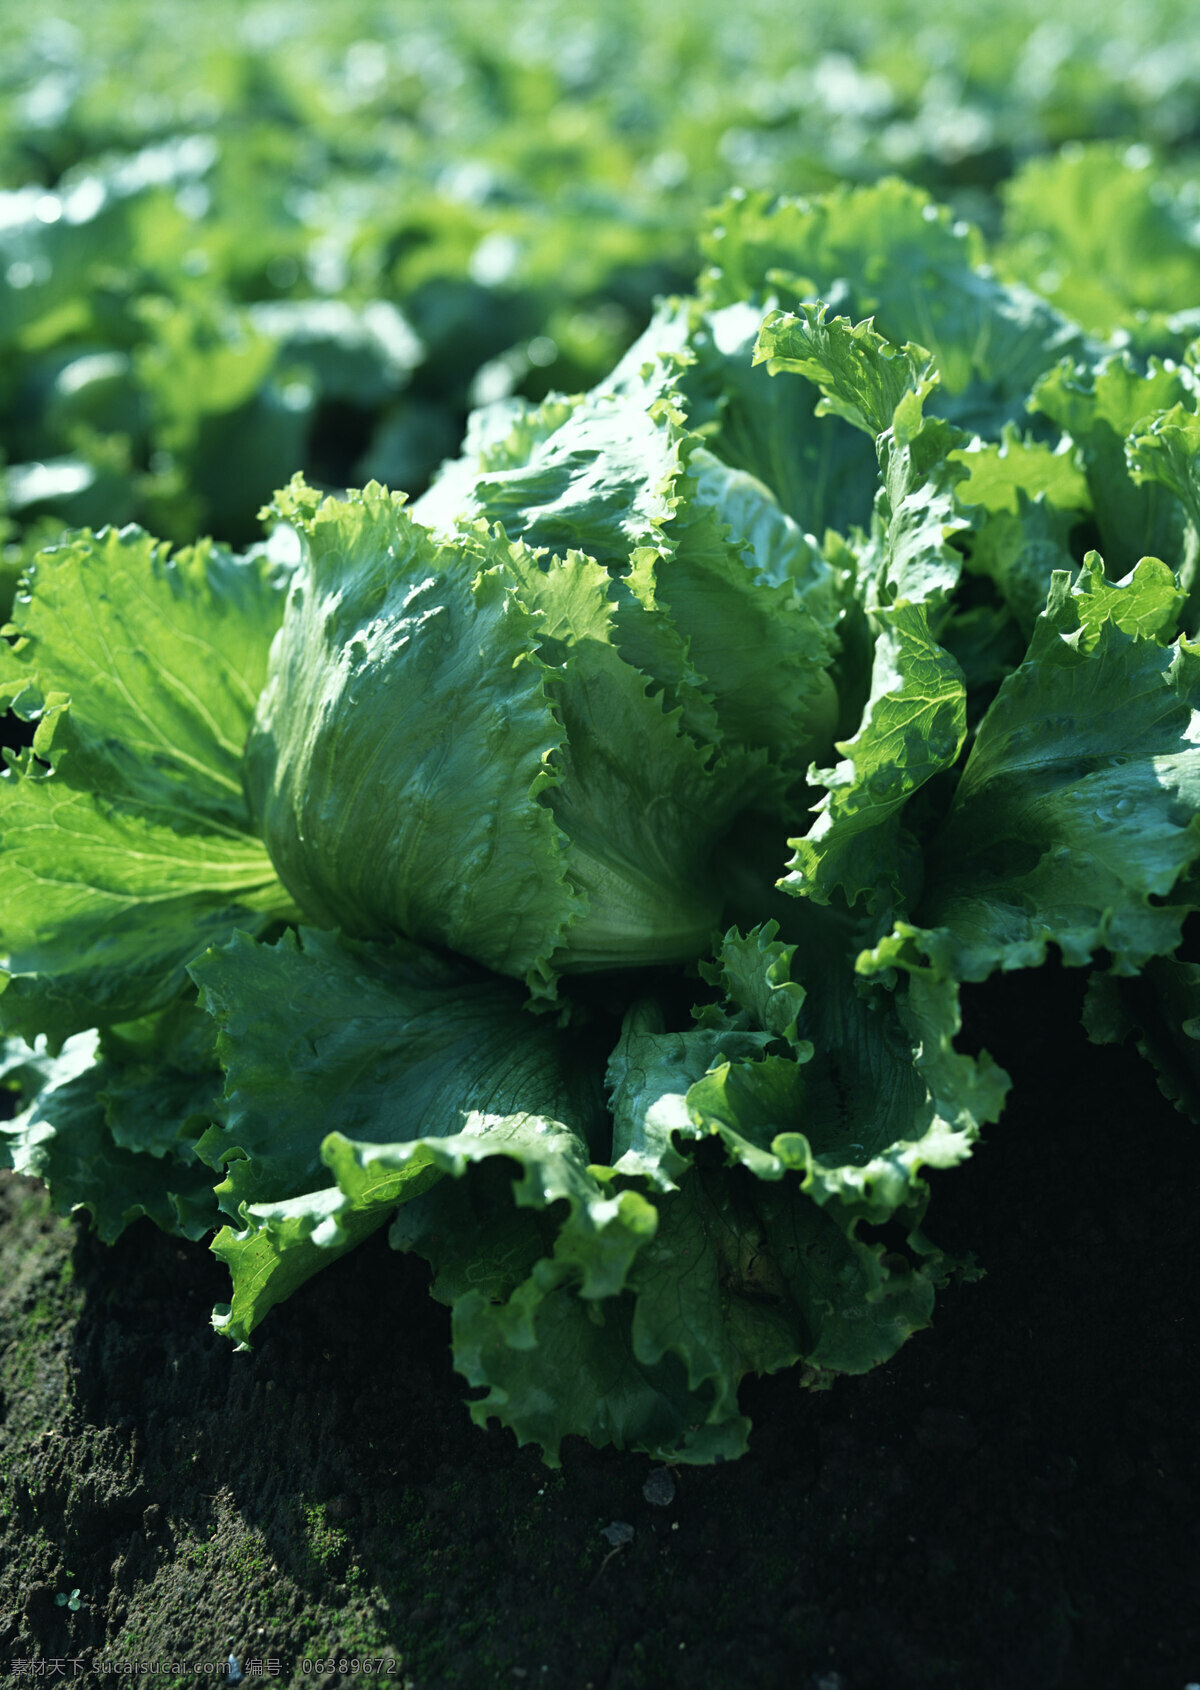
[
  {"x": 659, "y": 1488},
  {"x": 617, "y": 1533}
]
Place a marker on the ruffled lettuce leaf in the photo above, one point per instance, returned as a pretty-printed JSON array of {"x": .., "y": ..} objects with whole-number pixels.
[
  {"x": 861, "y": 375},
  {"x": 597, "y": 474},
  {"x": 777, "y": 550},
  {"x": 1098, "y": 405},
  {"x": 620, "y": 1299},
  {"x": 889, "y": 253},
  {"x": 1002, "y": 472},
  {"x": 835, "y": 1104},
  {"x": 1163, "y": 447},
  {"x": 1096, "y": 230},
  {"x": 1160, "y": 1010},
  {"x": 913, "y": 722},
  {"x": 126, "y": 841},
  {"x": 841, "y": 1083},
  {"x": 451, "y": 746},
  {"x": 641, "y": 804},
  {"x": 742, "y": 1274},
  {"x": 716, "y": 590},
  {"x": 1024, "y": 498},
  {"x": 817, "y": 467},
  {"x": 501, "y": 436},
  {"x": 1019, "y": 552},
  {"x": 1163, "y": 450},
  {"x": 403, "y": 738},
  {"x": 736, "y": 585},
  {"x": 1076, "y": 813},
  {"x": 913, "y": 727},
  {"x": 357, "y": 1075},
  {"x": 550, "y": 1363},
  {"x": 163, "y": 1083},
  {"x": 115, "y": 1141},
  {"x": 882, "y": 389}
]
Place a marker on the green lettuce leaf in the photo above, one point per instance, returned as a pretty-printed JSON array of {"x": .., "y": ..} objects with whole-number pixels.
[
  {"x": 882, "y": 389},
  {"x": 859, "y": 1089},
  {"x": 500, "y": 437},
  {"x": 914, "y": 718},
  {"x": 1163, "y": 449},
  {"x": 760, "y": 646},
  {"x": 600, "y": 480},
  {"x": 1160, "y": 1010},
  {"x": 889, "y": 253},
  {"x": 1098, "y": 407},
  {"x": 581, "y": 1305},
  {"x": 777, "y": 551},
  {"x": 818, "y": 467},
  {"x": 395, "y": 777},
  {"x": 127, "y": 843},
  {"x": 640, "y": 802},
  {"x": 357, "y": 1075},
  {"x": 862, "y": 376},
  {"x": 65, "y": 1136},
  {"x": 1096, "y": 230},
  {"x": 551, "y": 1364},
  {"x": 379, "y": 1037},
  {"x": 836, "y": 1128},
  {"x": 1001, "y": 473},
  {"x": 1019, "y": 551},
  {"x": 542, "y": 810},
  {"x": 913, "y": 727},
  {"x": 163, "y": 1082},
  {"x": 1023, "y": 498},
  {"x": 741, "y": 1275},
  {"x": 710, "y": 579},
  {"x": 1076, "y": 813}
]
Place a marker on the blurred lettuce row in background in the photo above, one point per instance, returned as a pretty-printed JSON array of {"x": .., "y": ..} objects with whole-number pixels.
[{"x": 239, "y": 240}]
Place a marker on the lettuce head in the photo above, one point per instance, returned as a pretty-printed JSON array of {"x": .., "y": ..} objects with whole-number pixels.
[{"x": 741, "y": 711}]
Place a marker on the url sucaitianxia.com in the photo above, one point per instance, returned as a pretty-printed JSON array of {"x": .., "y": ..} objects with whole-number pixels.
[{"x": 230, "y": 1671}]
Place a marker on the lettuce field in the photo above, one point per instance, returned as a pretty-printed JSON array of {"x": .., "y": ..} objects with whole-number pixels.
[{"x": 600, "y": 844}]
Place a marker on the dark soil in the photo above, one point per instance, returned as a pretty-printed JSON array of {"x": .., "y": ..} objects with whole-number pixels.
[{"x": 1010, "y": 1504}]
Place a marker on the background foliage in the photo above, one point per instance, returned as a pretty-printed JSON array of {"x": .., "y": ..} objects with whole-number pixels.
[{"x": 239, "y": 240}]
